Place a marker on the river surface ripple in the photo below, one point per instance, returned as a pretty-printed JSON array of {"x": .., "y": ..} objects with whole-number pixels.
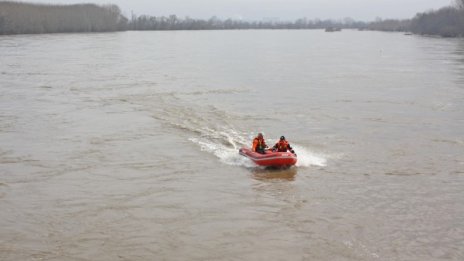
[{"x": 123, "y": 146}]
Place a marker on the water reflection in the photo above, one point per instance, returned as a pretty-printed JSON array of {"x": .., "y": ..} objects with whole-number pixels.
[
  {"x": 279, "y": 200},
  {"x": 275, "y": 174}
]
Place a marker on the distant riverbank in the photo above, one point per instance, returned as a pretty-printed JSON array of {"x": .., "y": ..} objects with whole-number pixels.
[
  {"x": 445, "y": 22},
  {"x": 28, "y": 18}
]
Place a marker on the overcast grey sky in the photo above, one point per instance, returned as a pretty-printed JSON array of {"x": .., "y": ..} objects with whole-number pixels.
[{"x": 284, "y": 9}]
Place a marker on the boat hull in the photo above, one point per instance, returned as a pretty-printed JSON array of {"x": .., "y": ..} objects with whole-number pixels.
[{"x": 270, "y": 158}]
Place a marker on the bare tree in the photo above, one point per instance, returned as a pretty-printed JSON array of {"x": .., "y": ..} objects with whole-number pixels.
[
  {"x": 390, "y": 25},
  {"x": 447, "y": 22},
  {"x": 460, "y": 4},
  {"x": 25, "y": 18}
]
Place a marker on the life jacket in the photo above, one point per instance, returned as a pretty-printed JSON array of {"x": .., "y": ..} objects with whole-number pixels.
[
  {"x": 282, "y": 146},
  {"x": 258, "y": 144}
]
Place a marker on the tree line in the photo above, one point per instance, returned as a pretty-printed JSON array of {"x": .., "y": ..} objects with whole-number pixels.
[
  {"x": 447, "y": 22},
  {"x": 28, "y": 18},
  {"x": 389, "y": 25},
  {"x": 172, "y": 22},
  {"x": 25, "y": 18}
]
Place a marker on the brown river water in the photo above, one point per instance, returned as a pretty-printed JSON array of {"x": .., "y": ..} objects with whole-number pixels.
[{"x": 124, "y": 146}]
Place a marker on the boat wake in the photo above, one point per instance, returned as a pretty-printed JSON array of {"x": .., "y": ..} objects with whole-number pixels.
[
  {"x": 214, "y": 131},
  {"x": 228, "y": 154}
]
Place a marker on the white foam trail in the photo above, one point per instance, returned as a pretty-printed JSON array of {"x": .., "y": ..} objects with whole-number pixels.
[
  {"x": 227, "y": 155},
  {"x": 224, "y": 144},
  {"x": 308, "y": 158}
]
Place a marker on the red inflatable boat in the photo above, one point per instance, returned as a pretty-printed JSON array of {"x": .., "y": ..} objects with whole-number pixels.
[{"x": 270, "y": 158}]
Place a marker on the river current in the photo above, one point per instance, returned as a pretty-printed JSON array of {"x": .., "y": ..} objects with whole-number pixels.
[{"x": 124, "y": 146}]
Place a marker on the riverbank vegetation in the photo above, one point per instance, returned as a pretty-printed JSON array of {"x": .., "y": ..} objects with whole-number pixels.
[
  {"x": 27, "y": 18},
  {"x": 173, "y": 22},
  {"x": 389, "y": 25},
  {"x": 447, "y": 22}
]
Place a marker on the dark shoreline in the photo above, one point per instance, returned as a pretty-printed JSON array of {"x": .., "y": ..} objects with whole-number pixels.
[{"x": 30, "y": 18}]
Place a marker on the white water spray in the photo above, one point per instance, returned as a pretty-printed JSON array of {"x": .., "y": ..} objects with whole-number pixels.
[{"x": 224, "y": 144}]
